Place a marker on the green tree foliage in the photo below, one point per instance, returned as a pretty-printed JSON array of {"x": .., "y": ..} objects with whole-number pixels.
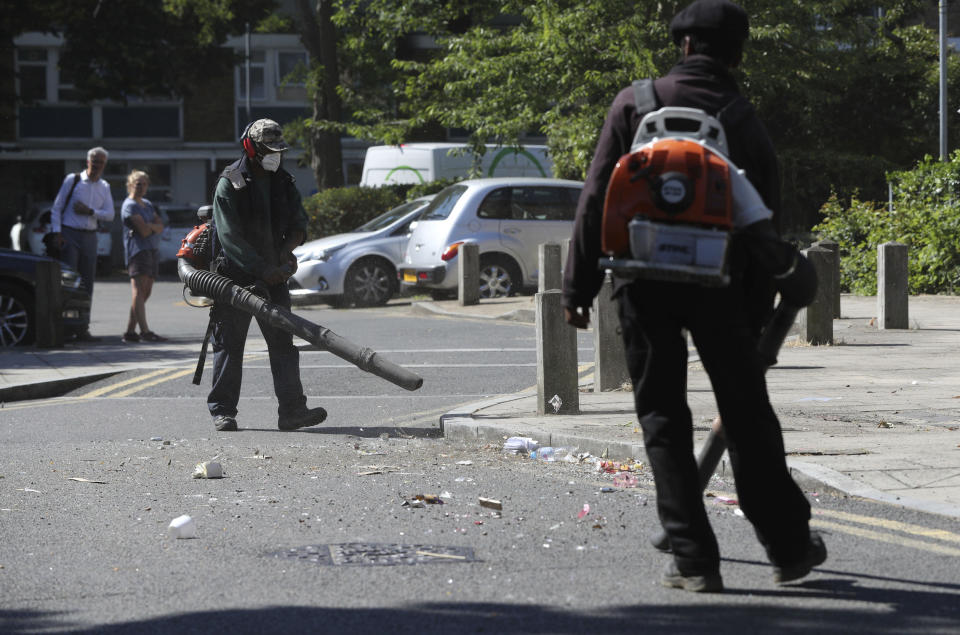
[
  {"x": 925, "y": 216},
  {"x": 847, "y": 88},
  {"x": 136, "y": 48}
]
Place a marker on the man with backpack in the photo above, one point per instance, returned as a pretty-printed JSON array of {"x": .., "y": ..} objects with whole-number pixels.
[
  {"x": 83, "y": 200},
  {"x": 725, "y": 321},
  {"x": 259, "y": 220}
]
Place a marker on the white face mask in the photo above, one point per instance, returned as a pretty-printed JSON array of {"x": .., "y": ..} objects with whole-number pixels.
[{"x": 270, "y": 162}]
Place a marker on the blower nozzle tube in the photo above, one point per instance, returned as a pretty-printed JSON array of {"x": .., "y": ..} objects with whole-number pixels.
[{"x": 224, "y": 291}]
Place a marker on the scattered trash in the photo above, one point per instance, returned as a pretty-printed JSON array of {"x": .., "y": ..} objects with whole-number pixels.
[
  {"x": 156, "y": 438},
  {"x": 490, "y": 503},
  {"x": 556, "y": 402},
  {"x": 884, "y": 424},
  {"x": 517, "y": 445},
  {"x": 80, "y": 479},
  {"x": 370, "y": 473},
  {"x": 441, "y": 555},
  {"x": 430, "y": 499},
  {"x": 182, "y": 527},
  {"x": 613, "y": 467},
  {"x": 547, "y": 453},
  {"x": 625, "y": 479},
  {"x": 464, "y": 462},
  {"x": 739, "y": 512},
  {"x": 208, "y": 469},
  {"x": 413, "y": 503},
  {"x": 444, "y": 495},
  {"x": 723, "y": 499},
  {"x": 583, "y": 512},
  {"x": 607, "y": 490}
]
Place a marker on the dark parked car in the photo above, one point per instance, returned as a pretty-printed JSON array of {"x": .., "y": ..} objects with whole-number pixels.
[{"x": 18, "y": 283}]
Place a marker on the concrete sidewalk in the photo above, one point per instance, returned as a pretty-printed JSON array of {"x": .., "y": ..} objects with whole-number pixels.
[{"x": 875, "y": 415}]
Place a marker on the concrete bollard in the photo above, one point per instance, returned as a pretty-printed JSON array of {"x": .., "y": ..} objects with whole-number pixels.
[
  {"x": 48, "y": 305},
  {"x": 468, "y": 274},
  {"x": 893, "y": 278},
  {"x": 557, "y": 391},
  {"x": 550, "y": 277},
  {"x": 816, "y": 321},
  {"x": 834, "y": 247},
  {"x": 610, "y": 361}
]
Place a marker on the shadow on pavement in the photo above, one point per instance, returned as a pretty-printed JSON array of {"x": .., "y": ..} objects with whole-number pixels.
[{"x": 886, "y": 611}]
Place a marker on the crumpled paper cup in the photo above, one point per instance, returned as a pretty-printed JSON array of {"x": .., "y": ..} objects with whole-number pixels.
[{"x": 208, "y": 469}]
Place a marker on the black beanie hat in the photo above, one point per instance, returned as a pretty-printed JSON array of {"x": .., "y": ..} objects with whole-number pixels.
[{"x": 718, "y": 21}]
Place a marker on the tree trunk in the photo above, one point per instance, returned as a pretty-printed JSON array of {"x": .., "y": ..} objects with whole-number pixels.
[{"x": 319, "y": 37}]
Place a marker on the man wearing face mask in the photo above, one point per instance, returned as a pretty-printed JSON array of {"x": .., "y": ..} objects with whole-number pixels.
[{"x": 259, "y": 219}]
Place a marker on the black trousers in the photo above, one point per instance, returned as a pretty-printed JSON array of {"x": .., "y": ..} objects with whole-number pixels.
[
  {"x": 230, "y": 328},
  {"x": 652, "y": 315}
]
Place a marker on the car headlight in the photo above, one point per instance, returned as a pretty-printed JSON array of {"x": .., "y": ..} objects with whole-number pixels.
[
  {"x": 69, "y": 279},
  {"x": 322, "y": 255}
]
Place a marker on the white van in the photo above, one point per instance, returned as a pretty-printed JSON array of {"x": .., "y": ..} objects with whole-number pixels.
[{"x": 423, "y": 162}]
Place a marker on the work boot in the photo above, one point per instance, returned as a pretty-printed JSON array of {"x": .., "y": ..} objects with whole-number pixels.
[
  {"x": 225, "y": 423},
  {"x": 301, "y": 418},
  {"x": 707, "y": 583},
  {"x": 815, "y": 555}
]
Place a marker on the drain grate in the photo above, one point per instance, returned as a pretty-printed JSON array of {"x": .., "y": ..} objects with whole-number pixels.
[{"x": 376, "y": 554}]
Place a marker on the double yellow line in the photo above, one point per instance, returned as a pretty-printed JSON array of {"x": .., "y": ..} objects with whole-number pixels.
[
  {"x": 140, "y": 382},
  {"x": 897, "y": 529}
]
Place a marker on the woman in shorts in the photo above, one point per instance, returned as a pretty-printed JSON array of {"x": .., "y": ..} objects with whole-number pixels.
[{"x": 141, "y": 243}]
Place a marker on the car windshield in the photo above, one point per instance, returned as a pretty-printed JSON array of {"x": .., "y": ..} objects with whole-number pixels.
[
  {"x": 388, "y": 218},
  {"x": 441, "y": 206}
]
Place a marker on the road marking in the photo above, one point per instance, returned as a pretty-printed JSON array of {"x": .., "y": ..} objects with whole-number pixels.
[
  {"x": 105, "y": 389},
  {"x": 876, "y": 535},
  {"x": 143, "y": 386},
  {"x": 313, "y": 351},
  {"x": 342, "y": 366},
  {"x": 893, "y": 525}
]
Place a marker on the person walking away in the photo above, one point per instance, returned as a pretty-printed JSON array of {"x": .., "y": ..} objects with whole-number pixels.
[
  {"x": 724, "y": 321},
  {"x": 141, "y": 245},
  {"x": 83, "y": 200},
  {"x": 259, "y": 220}
]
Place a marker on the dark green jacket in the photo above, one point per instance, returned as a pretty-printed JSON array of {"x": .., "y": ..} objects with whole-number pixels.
[{"x": 254, "y": 216}]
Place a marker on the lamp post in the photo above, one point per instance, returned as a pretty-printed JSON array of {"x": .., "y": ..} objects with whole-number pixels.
[{"x": 943, "y": 80}]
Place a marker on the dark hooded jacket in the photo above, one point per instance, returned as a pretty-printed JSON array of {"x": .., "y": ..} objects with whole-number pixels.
[{"x": 697, "y": 81}]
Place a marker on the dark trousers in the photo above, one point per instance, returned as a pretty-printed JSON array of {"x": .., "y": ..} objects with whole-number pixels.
[
  {"x": 80, "y": 252},
  {"x": 652, "y": 315},
  {"x": 230, "y": 328}
]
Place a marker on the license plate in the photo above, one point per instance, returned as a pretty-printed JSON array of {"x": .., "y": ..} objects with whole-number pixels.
[{"x": 409, "y": 276}]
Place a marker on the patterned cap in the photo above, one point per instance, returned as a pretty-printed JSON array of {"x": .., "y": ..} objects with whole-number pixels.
[{"x": 268, "y": 134}]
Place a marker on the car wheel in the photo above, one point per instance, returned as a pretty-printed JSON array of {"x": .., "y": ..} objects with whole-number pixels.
[
  {"x": 370, "y": 282},
  {"x": 499, "y": 277},
  {"x": 16, "y": 316}
]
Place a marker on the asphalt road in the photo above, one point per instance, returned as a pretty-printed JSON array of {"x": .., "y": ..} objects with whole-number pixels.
[{"x": 94, "y": 555}]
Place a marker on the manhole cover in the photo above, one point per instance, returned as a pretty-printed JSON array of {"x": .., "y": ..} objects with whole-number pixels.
[{"x": 376, "y": 554}]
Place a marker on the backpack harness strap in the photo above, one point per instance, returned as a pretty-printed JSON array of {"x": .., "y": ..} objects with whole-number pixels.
[
  {"x": 644, "y": 97},
  {"x": 198, "y": 374}
]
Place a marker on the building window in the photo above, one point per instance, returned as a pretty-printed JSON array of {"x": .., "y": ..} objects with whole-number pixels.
[
  {"x": 291, "y": 68},
  {"x": 258, "y": 67},
  {"x": 32, "y": 74},
  {"x": 65, "y": 89}
]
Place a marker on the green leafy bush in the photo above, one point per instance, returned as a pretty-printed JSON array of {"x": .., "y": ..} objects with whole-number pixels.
[
  {"x": 925, "y": 217},
  {"x": 343, "y": 209}
]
